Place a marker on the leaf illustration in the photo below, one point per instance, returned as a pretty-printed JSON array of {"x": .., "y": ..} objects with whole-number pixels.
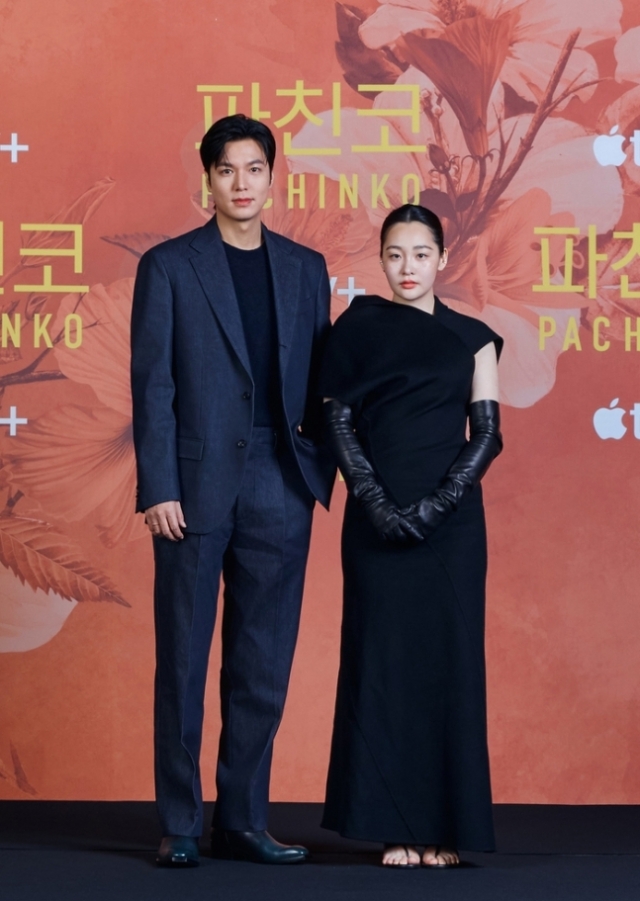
[
  {"x": 359, "y": 63},
  {"x": 439, "y": 202},
  {"x": 137, "y": 243},
  {"x": 21, "y": 777},
  {"x": 78, "y": 212},
  {"x": 16, "y": 776},
  {"x": 44, "y": 558},
  {"x": 514, "y": 104},
  {"x": 10, "y": 305},
  {"x": 6, "y": 774},
  {"x": 464, "y": 65},
  {"x": 35, "y": 304},
  {"x": 464, "y": 201}
]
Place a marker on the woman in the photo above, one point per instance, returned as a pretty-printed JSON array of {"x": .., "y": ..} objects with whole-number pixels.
[{"x": 403, "y": 380}]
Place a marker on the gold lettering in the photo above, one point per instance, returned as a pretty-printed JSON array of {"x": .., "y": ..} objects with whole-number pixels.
[
  {"x": 293, "y": 191},
  {"x": 378, "y": 192},
  {"x": 546, "y": 329},
  {"x": 40, "y": 330},
  {"x": 410, "y": 179},
  {"x": 73, "y": 330},
  {"x": 630, "y": 333},
  {"x": 572, "y": 336},
  {"x": 11, "y": 330},
  {"x": 598, "y": 343},
  {"x": 348, "y": 190}
]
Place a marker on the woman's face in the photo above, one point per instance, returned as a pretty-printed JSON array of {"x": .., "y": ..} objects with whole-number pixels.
[{"x": 411, "y": 260}]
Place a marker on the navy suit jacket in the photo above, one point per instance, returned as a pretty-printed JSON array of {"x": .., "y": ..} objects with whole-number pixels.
[{"x": 191, "y": 378}]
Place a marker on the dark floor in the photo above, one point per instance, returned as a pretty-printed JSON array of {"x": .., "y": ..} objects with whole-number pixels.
[{"x": 76, "y": 850}]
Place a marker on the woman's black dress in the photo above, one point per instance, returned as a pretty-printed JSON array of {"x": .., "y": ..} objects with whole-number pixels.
[{"x": 409, "y": 759}]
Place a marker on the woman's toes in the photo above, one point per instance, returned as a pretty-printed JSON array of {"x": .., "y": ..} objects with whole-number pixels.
[
  {"x": 434, "y": 857},
  {"x": 429, "y": 858},
  {"x": 399, "y": 856},
  {"x": 394, "y": 857},
  {"x": 389, "y": 856}
]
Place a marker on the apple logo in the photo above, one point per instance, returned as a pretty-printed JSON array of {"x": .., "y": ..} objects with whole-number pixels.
[
  {"x": 607, "y": 149},
  {"x": 607, "y": 421}
]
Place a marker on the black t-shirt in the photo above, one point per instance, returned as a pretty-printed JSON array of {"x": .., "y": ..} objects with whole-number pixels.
[{"x": 254, "y": 289}]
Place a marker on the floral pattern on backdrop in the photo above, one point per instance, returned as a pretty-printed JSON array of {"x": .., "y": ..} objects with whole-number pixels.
[
  {"x": 500, "y": 82},
  {"x": 512, "y": 94}
]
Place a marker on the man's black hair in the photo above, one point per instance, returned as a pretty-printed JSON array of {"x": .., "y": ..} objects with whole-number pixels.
[{"x": 235, "y": 128}]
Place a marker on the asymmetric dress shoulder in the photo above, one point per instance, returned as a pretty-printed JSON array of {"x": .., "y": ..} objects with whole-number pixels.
[{"x": 409, "y": 760}]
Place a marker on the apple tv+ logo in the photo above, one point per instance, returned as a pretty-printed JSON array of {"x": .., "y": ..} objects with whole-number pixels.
[
  {"x": 608, "y": 151},
  {"x": 607, "y": 421}
]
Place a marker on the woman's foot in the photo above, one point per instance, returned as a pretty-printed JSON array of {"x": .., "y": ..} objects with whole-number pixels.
[
  {"x": 437, "y": 856},
  {"x": 400, "y": 856}
]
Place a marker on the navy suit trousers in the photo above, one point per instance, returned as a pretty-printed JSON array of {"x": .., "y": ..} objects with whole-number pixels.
[{"x": 261, "y": 551}]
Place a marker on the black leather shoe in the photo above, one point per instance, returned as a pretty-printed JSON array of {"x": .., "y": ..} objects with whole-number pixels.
[
  {"x": 258, "y": 847},
  {"x": 178, "y": 851}
]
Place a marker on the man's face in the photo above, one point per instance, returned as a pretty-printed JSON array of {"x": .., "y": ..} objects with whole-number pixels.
[{"x": 240, "y": 182}]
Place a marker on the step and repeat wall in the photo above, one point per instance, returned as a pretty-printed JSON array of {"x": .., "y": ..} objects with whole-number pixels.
[{"x": 518, "y": 122}]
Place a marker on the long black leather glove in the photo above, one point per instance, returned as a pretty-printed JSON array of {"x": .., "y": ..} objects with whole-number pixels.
[
  {"x": 484, "y": 445},
  {"x": 361, "y": 479}
]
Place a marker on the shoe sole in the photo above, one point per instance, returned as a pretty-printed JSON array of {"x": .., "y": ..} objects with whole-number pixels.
[
  {"x": 400, "y": 866},
  {"x": 177, "y": 864},
  {"x": 229, "y": 855}
]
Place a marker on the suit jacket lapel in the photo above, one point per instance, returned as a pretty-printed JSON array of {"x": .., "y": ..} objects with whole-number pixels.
[
  {"x": 211, "y": 267},
  {"x": 285, "y": 271}
]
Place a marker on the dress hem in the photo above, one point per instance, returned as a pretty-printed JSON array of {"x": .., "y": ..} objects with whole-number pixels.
[{"x": 478, "y": 847}]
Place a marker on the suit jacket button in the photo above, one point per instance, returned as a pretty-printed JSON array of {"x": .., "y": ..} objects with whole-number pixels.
[
  {"x": 246, "y": 395},
  {"x": 242, "y": 443}
]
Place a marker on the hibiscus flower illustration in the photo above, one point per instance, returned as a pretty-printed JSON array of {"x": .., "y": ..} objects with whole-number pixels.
[
  {"x": 496, "y": 286},
  {"x": 523, "y": 36},
  {"x": 559, "y": 160},
  {"x": 44, "y": 573},
  {"x": 627, "y": 57},
  {"x": 556, "y": 168},
  {"x": 77, "y": 460},
  {"x": 480, "y": 158}
]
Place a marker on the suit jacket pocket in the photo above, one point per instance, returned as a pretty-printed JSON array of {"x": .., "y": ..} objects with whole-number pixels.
[{"x": 190, "y": 448}]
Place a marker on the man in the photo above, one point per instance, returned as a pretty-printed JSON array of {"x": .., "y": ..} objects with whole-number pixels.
[{"x": 227, "y": 326}]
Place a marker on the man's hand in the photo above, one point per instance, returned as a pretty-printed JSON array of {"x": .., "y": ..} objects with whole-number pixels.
[{"x": 166, "y": 520}]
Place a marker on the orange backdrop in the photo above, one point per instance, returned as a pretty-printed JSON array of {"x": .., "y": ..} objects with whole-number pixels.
[{"x": 494, "y": 116}]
